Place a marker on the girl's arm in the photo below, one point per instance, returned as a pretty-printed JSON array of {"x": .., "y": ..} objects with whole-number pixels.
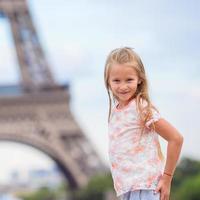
[{"x": 175, "y": 141}]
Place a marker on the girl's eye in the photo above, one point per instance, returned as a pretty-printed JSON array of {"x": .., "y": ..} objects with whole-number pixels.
[
  {"x": 115, "y": 80},
  {"x": 130, "y": 79}
]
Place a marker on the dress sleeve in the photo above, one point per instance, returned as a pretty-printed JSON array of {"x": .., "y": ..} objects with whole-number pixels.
[{"x": 155, "y": 117}]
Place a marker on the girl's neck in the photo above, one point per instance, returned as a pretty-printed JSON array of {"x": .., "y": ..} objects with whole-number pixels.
[{"x": 122, "y": 105}]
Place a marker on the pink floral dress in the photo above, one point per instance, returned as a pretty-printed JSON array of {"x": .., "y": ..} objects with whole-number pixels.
[{"x": 134, "y": 159}]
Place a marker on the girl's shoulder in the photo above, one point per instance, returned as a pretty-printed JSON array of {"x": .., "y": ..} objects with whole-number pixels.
[{"x": 145, "y": 104}]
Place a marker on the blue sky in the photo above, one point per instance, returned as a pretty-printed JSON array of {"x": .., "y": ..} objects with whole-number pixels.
[{"x": 78, "y": 35}]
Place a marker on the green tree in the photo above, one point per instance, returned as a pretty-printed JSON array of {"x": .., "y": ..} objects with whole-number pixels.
[
  {"x": 186, "y": 180},
  {"x": 189, "y": 189},
  {"x": 95, "y": 189},
  {"x": 43, "y": 193}
]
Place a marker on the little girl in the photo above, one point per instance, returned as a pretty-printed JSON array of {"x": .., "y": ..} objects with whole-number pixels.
[{"x": 137, "y": 164}]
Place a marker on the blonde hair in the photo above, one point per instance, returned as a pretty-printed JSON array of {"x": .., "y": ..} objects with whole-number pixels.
[{"x": 129, "y": 57}]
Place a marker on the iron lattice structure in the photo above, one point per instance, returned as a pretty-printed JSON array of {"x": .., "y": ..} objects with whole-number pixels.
[{"x": 37, "y": 111}]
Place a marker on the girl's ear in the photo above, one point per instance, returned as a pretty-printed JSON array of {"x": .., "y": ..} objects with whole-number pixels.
[{"x": 139, "y": 82}]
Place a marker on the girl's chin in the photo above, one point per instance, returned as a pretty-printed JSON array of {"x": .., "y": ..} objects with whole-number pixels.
[{"x": 124, "y": 100}]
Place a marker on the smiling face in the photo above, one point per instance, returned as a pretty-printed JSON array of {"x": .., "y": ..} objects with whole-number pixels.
[{"x": 123, "y": 82}]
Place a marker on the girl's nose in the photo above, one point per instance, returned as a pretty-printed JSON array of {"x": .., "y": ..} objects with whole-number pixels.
[{"x": 123, "y": 86}]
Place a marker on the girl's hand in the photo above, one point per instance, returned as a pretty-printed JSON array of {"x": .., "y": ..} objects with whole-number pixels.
[{"x": 164, "y": 186}]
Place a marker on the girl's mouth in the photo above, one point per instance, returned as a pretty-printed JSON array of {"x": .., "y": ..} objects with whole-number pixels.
[{"x": 123, "y": 93}]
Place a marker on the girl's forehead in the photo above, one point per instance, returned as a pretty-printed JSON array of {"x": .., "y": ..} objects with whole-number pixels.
[{"x": 122, "y": 69}]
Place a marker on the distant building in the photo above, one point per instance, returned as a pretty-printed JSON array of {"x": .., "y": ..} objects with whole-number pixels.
[
  {"x": 36, "y": 178},
  {"x": 44, "y": 178},
  {"x": 8, "y": 197}
]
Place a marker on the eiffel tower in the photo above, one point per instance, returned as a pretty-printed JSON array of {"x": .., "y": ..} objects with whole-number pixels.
[{"x": 36, "y": 112}]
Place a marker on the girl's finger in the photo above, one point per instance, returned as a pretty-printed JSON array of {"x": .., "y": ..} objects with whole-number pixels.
[
  {"x": 158, "y": 188},
  {"x": 162, "y": 196},
  {"x": 165, "y": 197}
]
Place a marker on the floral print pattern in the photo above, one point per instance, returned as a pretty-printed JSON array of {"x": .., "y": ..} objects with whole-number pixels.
[{"x": 134, "y": 158}]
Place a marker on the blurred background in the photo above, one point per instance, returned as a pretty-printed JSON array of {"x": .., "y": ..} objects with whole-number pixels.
[{"x": 76, "y": 37}]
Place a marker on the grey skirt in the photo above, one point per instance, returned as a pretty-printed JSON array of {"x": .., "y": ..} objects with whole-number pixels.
[{"x": 140, "y": 195}]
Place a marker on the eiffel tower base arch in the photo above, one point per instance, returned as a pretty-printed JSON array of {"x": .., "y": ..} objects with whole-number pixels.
[{"x": 44, "y": 121}]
